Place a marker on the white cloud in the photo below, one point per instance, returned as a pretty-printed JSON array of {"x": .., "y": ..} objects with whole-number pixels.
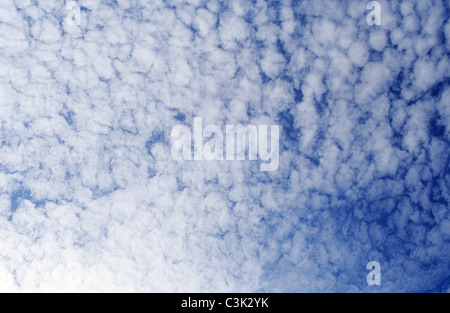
[{"x": 91, "y": 200}]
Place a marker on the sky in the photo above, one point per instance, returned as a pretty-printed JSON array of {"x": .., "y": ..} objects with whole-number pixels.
[{"x": 91, "y": 199}]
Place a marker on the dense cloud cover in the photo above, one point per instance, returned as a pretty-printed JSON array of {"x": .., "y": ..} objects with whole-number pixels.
[{"x": 91, "y": 200}]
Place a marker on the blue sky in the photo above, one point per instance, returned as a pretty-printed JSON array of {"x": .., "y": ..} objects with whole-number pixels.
[{"x": 91, "y": 199}]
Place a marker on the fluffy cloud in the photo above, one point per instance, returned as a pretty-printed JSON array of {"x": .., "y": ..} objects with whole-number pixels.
[{"x": 91, "y": 200}]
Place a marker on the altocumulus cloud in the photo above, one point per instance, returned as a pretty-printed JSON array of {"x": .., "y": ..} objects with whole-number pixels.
[{"x": 91, "y": 200}]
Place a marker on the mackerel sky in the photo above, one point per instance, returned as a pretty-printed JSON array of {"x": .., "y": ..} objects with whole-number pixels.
[{"x": 92, "y": 200}]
